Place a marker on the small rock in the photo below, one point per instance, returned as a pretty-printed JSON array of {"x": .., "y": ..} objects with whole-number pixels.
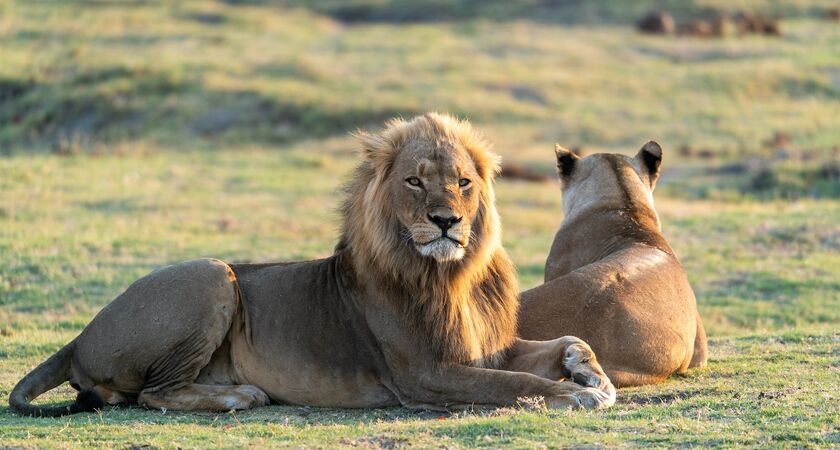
[{"x": 656, "y": 22}]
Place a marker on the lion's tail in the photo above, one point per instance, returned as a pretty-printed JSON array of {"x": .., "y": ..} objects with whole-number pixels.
[{"x": 50, "y": 374}]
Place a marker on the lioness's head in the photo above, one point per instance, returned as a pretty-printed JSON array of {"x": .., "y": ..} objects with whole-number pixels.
[
  {"x": 606, "y": 179},
  {"x": 427, "y": 191}
]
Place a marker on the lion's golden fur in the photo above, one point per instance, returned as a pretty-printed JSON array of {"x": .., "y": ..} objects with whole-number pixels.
[{"x": 467, "y": 307}]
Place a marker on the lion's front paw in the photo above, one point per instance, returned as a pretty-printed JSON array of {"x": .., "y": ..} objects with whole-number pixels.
[
  {"x": 578, "y": 397},
  {"x": 592, "y": 398}
]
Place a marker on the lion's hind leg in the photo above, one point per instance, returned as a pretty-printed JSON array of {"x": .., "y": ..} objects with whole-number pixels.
[
  {"x": 205, "y": 397},
  {"x": 175, "y": 382},
  {"x": 159, "y": 334}
]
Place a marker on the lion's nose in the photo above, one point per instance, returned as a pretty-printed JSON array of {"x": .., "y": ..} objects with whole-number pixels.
[{"x": 444, "y": 223}]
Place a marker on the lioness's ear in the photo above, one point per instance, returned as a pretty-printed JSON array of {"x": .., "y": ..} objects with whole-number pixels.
[
  {"x": 566, "y": 162},
  {"x": 651, "y": 158}
]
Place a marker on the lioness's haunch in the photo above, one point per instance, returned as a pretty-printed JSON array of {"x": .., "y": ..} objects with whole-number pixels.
[
  {"x": 611, "y": 278},
  {"x": 416, "y": 307}
]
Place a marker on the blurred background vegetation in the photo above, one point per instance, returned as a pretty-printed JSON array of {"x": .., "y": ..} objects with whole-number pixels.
[
  {"x": 254, "y": 100},
  {"x": 109, "y": 77},
  {"x": 139, "y": 133}
]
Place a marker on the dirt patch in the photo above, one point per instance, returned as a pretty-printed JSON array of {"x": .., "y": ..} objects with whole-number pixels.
[
  {"x": 747, "y": 23},
  {"x": 687, "y": 151},
  {"x": 772, "y": 395},
  {"x": 513, "y": 171},
  {"x": 779, "y": 139},
  {"x": 710, "y": 23}
]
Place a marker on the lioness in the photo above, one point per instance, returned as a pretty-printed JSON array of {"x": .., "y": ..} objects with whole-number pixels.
[
  {"x": 611, "y": 278},
  {"x": 417, "y": 307}
]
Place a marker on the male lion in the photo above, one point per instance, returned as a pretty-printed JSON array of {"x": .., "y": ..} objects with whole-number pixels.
[
  {"x": 611, "y": 278},
  {"x": 416, "y": 307}
]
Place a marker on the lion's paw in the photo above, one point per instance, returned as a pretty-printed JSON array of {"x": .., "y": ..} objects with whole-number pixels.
[
  {"x": 591, "y": 398},
  {"x": 580, "y": 366},
  {"x": 582, "y": 398}
]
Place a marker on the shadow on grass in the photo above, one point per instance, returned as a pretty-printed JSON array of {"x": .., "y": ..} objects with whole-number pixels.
[
  {"x": 282, "y": 414},
  {"x": 118, "y": 206},
  {"x": 665, "y": 398},
  {"x": 118, "y": 103},
  {"x": 553, "y": 11}
]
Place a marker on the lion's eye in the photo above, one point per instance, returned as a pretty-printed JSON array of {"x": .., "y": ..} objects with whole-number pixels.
[
  {"x": 414, "y": 181},
  {"x": 463, "y": 182}
]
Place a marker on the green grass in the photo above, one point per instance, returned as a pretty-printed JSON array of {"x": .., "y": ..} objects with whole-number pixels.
[
  {"x": 758, "y": 391},
  {"x": 151, "y": 132}
]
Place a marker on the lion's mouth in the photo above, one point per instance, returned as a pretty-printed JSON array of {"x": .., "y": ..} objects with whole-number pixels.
[
  {"x": 443, "y": 248},
  {"x": 445, "y": 238}
]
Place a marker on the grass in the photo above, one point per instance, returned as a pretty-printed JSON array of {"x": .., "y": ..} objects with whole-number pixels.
[
  {"x": 151, "y": 132},
  {"x": 759, "y": 391}
]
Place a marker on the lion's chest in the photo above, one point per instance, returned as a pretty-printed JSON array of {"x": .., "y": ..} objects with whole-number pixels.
[
  {"x": 479, "y": 341},
  {"x": 473, "y": 336}
]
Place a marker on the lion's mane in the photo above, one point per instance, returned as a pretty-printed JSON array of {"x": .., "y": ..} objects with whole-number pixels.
[{"x": 458, "y": 306}]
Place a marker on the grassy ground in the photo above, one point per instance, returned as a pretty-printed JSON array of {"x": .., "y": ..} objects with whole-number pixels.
[{"x": 146, "y": 133}]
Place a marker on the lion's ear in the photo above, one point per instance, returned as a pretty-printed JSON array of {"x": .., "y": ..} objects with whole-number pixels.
[
  {"x": 487, "y": 164},
  {"x": 650, "y": 157},
  {"x": 372, "y": 144},
  {"x": 376, "y": 148},
  {"x": 566, "y": 162}
]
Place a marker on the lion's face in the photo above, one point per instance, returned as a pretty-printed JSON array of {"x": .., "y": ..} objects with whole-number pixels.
[
  {"x": 424, "y": 190},
  {"x": 436, "y": 190}
]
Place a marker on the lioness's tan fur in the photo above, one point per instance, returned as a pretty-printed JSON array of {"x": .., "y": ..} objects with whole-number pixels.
[
  {"x": 416, "y": 307},
  {"x": 611, "y": 278}
]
